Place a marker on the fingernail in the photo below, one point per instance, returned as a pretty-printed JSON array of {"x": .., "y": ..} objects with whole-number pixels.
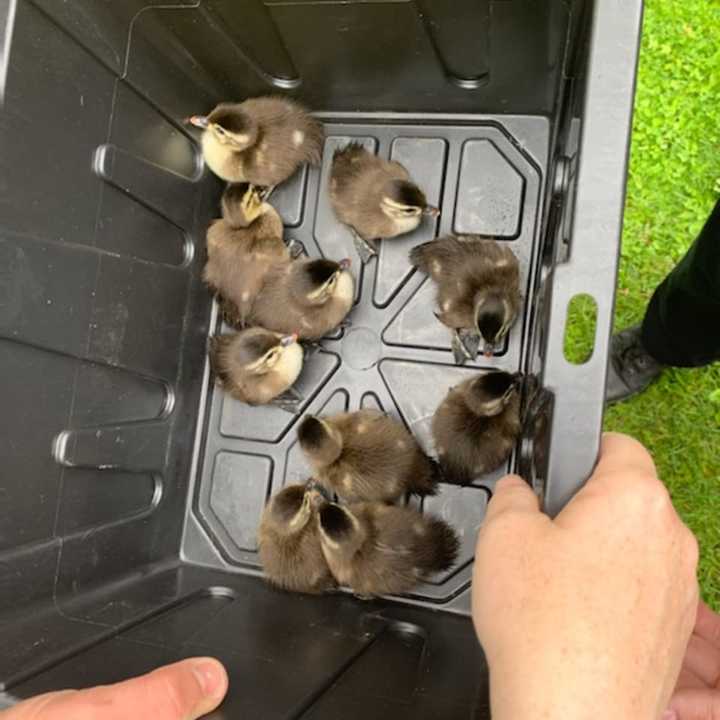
[
  {"x": 210, "y": 676},
  {"x": 669, "y": 715}
]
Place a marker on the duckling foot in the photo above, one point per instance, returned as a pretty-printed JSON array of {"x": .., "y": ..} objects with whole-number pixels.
[
  {"x": 366, "y": 249},
  {"x": 290, "y": 401},
  {"x": 460, "y": 353},
  {"x": 470, "y": 340},
  {"x": 230, "y": 313},
  {"x": 266, "y": 192},
  {"x": 296, "y": 249},
  {"x": 311, "y": 348}
]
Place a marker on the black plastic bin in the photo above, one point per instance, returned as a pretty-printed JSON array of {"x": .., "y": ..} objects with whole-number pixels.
[{"x": 130, "y": 489}]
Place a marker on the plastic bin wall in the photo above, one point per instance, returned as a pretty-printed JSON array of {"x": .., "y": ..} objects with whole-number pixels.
[{"x": 120, "y": 546}]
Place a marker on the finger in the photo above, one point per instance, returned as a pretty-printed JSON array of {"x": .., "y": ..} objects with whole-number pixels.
[
  {"x": 620, "y": 454},
  {"x": 183, "y": 691},
  {"x": 694, "y": 705},
  {"x": 512, "y": 494},
  {"x": 707, "y": 625},
  {"x": 702, "y": 658},
  {"x": 688, "y": 681}
]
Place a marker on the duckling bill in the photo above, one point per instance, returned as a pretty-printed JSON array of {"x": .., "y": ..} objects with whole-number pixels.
[
  {"x": 262, "y": 140},
  {"x": 375, "y": 197},
  {"x": 289, "y": 541},
  {"x": 478, "y": 290},
  {"x": 257, "y": 366},
  {"x": 477, "y": 425},
  {"x": 366, "y": 455},
  {"x": 378, "y": 549}
]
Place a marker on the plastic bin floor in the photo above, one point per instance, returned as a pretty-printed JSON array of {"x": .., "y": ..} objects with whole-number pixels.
[{"x": 487, "y": 178}]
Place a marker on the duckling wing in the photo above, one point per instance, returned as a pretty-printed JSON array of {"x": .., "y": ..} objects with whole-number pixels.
[{"x": 356, "y": 189}]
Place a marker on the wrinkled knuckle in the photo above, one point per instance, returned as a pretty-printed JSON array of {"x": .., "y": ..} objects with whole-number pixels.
[
  {"x": 172, "y": 701},
  {"x": 653, "y": 495}
]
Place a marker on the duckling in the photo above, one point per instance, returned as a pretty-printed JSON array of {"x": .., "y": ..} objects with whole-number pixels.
[
  {"x": 289, "y": 541},
  {"x": 310, "y": 297},
  {"x": 241, "y": 248},
  {"x": 366, "y": 455},
  {"x": 477, "y": 425},
  {"x": 257, "y": 366},
  {"x": 478, "y": 289},
  {"x": 375, "y": 197},
  {"x": 262, "y": 141},
  {"x": 378, "y": 549}
]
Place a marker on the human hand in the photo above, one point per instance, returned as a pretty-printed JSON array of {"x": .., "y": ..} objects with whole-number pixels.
[
  {"x": 697, "y": 693},
  {"x": 587, "y": 615},
  {"x": 183, "y": 691}
]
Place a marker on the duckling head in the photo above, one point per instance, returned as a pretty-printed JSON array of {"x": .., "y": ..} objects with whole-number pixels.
[
  {"x": 260, "y": 352},
  {"x": 489, "y": 393},
  {"x": 291, "y": 509},
  {"x": 340, "y": 531},
  {"x": 229, "y": 127},
  {"x": 405, "y": 203},
  {"x": 320, "y": 280},
  {"x": 320, "y": 441},
  {"x": 242, "y": 204},
  {"x": 493, "y": 318}
]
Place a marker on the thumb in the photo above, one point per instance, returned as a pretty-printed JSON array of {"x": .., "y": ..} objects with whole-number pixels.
[
  {"x": 186, "y": 690},
  {"x": 512, "y": 494},
  {"x": 694, "y": 704}
]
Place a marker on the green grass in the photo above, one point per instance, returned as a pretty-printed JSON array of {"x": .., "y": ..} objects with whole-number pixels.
[{"x": 674, "y": 182}]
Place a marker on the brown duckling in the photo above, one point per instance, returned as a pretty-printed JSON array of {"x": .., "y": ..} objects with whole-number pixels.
[
  {"x": 478, "y": 289},
  {"x": 375, "y": 197},
  {"x": 289, "y": 541},
  {"x": 310, "y": 297},
  {"x": 262, "y": 141},
  {"x": 378, "y": 549},
  {"x": 477, "y": 425},
  {"x": 241, "y": 248},
  {"x": 366, "y": 455},
  {"x": 257, "y": 366}
]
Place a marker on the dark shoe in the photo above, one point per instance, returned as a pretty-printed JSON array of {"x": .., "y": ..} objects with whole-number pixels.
[{"x": 631, "y": 368}]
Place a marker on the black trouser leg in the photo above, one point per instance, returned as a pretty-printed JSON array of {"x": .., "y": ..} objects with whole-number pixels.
[{"x": 682, "y": 321}]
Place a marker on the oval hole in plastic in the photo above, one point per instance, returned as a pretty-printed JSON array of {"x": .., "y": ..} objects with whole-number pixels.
[{"x": 580, "y": 327}]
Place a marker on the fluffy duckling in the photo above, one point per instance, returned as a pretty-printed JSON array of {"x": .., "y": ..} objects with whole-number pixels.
[
  {"x": 262, "y": 141},
  {"x": 366, "y": 455},
  {"x": 375, "y": 197},
  {"x": 477, "y": 425},
  {"x": 378, "y": 549},
  {"x": 289, "y": 541},
  {"x": 257, "y": 366},
  {"x": 478, "y": 289},
  {"x": 241, "y": 248},
  {"x": 310, "y": 297}
]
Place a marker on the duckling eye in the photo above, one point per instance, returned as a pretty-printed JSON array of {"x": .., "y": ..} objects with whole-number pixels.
[{"x": 219, "y": 129}]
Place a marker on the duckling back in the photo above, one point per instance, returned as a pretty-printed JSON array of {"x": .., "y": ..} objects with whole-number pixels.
[
  {"x": 280, "y": 305},
  {"x": 379, "y": 460},
  {"x": 288, "y": 136},
  {"x": 470, "y": 445},
  {"x": 462, "y": 266},
  {"x": 240, "y": 258},
  {"x": 357, "y": 180},
  {"x": 402, "y": 548},
  {"x": 294, "y": 561}
]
